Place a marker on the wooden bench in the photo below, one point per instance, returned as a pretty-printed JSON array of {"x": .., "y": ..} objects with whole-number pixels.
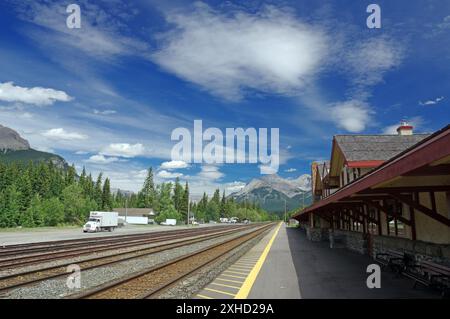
[
  {"x": 396, "y": 260},
  {"x": 430, "y": 274}
]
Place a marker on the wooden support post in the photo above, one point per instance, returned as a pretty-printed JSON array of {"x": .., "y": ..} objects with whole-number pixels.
[{"x": 380, "y": 229}]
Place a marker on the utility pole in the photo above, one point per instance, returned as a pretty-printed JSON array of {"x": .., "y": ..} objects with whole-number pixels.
[
  {"x": 189, "y": 204},
  {"x": 285, "y": 210},
  {"x": 126, "y": 209}
]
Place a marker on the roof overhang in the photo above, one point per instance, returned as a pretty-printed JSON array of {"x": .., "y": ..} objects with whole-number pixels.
[{"x": 425, "y": 166}]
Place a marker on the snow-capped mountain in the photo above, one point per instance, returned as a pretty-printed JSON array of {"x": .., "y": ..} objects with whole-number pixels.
[{"x": 271, "y": 191}]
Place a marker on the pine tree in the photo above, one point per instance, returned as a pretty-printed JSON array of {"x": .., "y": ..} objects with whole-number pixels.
[
  {"x": 223, "y": 204},
  {"x": 106, "y": 195},
  {"x": 148, "y": 190},
  {"x": 98, "y": 191},
  {"x": 184, "y": 202},
  {"x": 177, "y": 195}
]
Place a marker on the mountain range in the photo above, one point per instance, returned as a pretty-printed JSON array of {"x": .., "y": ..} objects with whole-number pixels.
[
  {"x": 14, "y": 148},
  {"x": 271, "y": 192}
]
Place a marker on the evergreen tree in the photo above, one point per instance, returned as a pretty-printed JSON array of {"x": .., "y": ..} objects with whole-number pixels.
[
  {"x": 98, "y": 192},
  {"x": 148, "y": 191},
  {"x": 223, "y": 206},
  {"x": 184, "y": 202},
  {"x": 106, "y": 196},
  {"x": 177, "y": 195}
]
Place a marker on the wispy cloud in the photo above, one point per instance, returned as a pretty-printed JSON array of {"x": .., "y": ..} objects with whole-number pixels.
[
  {"x": 174, "y": 165},
  {"x": 62, "y": 134},
  {"x": 101, "y": 159},
  {"x": 104, "y": 112},
  {"x": 432, "y": 102},
  {"x": 168, "y": 175},
  {"x": 227, "y": 54},
  {"x": 124, "y": 150},
  {"x": 102, "y": 35},
  {"x": 10, "y": 92}
]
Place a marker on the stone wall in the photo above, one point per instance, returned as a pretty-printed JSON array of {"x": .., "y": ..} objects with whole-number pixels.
[
  {"x": 314, "y": 234},
  {"x": 358, "y": 242},
  {"x": 355, "y": 241},
  {"x": 439, "y": 253}
]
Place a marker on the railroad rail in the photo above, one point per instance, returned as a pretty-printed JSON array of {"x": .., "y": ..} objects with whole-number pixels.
[
  {"x": 29, "y": 248},
  {"x": 24, "y": 260},
  {"x": 151, "y": 282},
  {"x": 34, "y": 276}
]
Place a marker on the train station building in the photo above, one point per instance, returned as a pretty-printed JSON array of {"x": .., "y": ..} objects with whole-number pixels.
[{"x": 384, "y": 192}]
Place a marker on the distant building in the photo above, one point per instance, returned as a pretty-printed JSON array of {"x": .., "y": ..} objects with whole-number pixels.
[{"x": 133, "y": 215}]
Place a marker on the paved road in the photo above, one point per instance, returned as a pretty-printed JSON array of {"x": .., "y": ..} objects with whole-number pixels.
[{"x": 52, "y": 234}]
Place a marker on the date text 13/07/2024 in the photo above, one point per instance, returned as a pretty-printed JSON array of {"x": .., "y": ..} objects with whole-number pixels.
[{"x": 226, "y": 309}]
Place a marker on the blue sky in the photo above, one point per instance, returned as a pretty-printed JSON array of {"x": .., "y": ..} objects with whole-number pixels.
[{"x": 107, "y": 96}]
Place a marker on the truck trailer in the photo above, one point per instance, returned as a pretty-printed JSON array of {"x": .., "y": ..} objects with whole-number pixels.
[{"x": 99, "y": 221}]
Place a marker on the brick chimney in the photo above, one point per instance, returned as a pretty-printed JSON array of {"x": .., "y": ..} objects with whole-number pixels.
[{"x": 405, "y": 129}]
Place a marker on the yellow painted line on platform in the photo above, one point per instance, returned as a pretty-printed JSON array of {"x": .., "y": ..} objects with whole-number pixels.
[
  {"x": 203, "y": 296},
  {"x": 223, "y": 285},
  {"x": 235, "y": 281},
  {"x": 220, "y": 292},
  {"x": 248, "y": 283}
]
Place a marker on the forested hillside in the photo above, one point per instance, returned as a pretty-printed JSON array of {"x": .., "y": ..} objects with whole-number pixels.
[{"x": 41, "y": 194}]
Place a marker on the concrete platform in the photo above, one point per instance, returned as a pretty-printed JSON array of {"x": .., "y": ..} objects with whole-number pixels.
[{"x": 285, "y": 265}]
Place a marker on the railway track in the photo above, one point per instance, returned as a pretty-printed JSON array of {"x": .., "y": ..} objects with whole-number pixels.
[
  {"x": 151, "y": 282},
  {"x": 34, "y": 276},
  {"x": 27, "y": 259},
  {"x": 29, "y": 248}
]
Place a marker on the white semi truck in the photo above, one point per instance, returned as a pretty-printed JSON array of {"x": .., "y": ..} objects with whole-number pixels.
[{"x": 99, "y": 221}]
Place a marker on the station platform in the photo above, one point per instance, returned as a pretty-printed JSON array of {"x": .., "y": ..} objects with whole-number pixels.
[{"x": 286, "y": 265}]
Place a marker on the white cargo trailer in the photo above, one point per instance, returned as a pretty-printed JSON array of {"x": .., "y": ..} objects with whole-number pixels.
[
  {"x": 99, "y": 221},
  {"x": 169, "y": 222},
  {"x": 136, "y": 220}
]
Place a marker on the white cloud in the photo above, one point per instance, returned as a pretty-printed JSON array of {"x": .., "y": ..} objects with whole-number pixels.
[
  {"x": 352, "y": 115},
  {"x": 210, "y": 172},
  {"x": 123, "y": 150},
  {"x": 270, "y": 51},
  {"x": 234, "y": 187},
  {"x": 290, "y": 170},
  {"x": 167, "y": 175},
  {"x": 36, "y": 95},
  {"x": 174, "y": 165},
  {"x": 267, "y": 170},
  {"x": 101, "y": 159},
  {"x": 367, "y": 61},
  {"x": 432, "y": 102},
  {"x": 61, "y": 134},
  {"x": 104, "y": 112}
]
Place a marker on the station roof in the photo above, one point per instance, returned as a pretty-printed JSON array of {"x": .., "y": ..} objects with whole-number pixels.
[
  {"x": 375, "y": 147},
  {"x": 424, "y": 164}
]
